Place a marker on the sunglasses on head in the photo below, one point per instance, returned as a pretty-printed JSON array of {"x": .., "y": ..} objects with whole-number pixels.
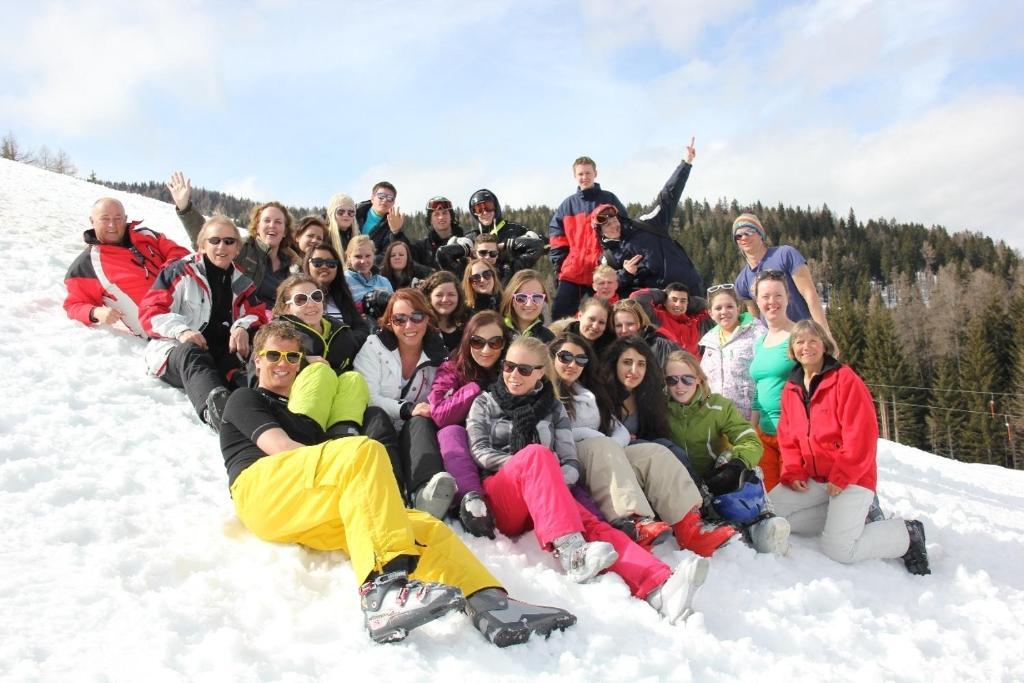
[
  {"x": 770, "y": 275},
  {"x": 487, "y": 253},
  {"x": 606, "y": 215},
  {"x": 385, "y": 196},
  {"x": 522, "y": 299},
  {"x": 438, "y": 203},
  {"x": 478, "y": 342},
  {"x": 324, "y": 262},
  {"x": 718, "y": 288},
  {"x": 672, "y": 380},
  {"x": 525, "y": 369},
  {"x": 566, "y": 358},
  {"x": 228, "y": 241},
  {"x": 302, "y": 299},
  {"x": 416, "y": 317},
  {"x": 477, "y": 278},
  {"x": 344, "y": 212},
  {"x": 481, "y": 207},
  {"x": 275, "y": 356},
  {"x": 744, "y": 232}
]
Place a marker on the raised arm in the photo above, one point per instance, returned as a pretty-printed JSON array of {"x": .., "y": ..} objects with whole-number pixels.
[
  {"x": 667, "y": 202},
  {"x": 180, "y": 188}
]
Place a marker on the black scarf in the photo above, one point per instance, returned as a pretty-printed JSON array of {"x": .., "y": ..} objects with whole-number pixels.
[{"x": 525, "y": 411}]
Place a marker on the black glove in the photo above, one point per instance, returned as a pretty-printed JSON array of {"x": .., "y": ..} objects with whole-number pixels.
[
  {"x": 375, "y": 303},
  {"x": 726, "y": 478},
  {"x": 477, "y": 524},
  {"x": 696, "y": 305}
]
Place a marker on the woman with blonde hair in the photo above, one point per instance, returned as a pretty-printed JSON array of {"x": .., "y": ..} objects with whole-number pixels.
[
  {"x": 723, "y": 449},
  {"x": 521, "y": 437},
  {"x": 630, "y": 318},
  {"x": 522, "y": 305},
  {"x": 341, "y": 221},
  {"x": 481, "y": 286},
  {"x": 359, "y": 275}
]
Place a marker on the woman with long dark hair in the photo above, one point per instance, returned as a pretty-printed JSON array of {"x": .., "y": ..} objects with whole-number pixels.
[
  {"x": 324, "y": 264},
  {"x": 635, "y": 380},
  {"x": 399, "y": 268},
  {"x": 445, "y": 299}
]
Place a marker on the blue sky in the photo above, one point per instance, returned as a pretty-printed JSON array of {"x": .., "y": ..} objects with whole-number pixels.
[{"x": 911, "y": 110}]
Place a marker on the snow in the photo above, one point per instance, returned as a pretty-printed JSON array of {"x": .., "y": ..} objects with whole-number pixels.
[{"x": 121, "y": 558}]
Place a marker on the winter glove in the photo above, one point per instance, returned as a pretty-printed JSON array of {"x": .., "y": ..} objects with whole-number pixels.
[
  {"x": 570, "y": 474},
  {"x": 726, "y": 478},
  {"x": 476, "y": 516},
  {"x": 696, "y": 305}
]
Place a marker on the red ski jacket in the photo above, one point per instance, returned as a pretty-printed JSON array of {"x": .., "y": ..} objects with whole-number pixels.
[
  {"x": 117, "y": 275},
  {"x": 832, "y": 435}
]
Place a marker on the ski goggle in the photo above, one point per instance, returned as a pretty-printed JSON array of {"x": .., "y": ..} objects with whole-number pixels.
[
  {"x": 481, "y": 207},
  {"x": 525, "y": 369},
  {"x": 324, "y": 262},
  {"x": 672, "y": 380},
  {"x": 438, "y": 203},
  {"x": 566, "y": 358},
  {"x": 416, "y": 317},
  {"x": 303, "y": 299},
  {"x": 275, "y": 356},
  {"x": 523, "y": 299},
  {"x": 495, "y": 343},
  {"x": 477, "y": 278},
  {"x": 606, "y": 215},
  {"x": 228, "y": 241}
]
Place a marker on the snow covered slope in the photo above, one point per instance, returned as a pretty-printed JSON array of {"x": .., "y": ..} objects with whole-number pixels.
[{"x": 121, "y": 558}]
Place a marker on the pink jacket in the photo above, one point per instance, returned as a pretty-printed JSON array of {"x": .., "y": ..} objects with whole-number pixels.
[{"x": 451, "y": 396}]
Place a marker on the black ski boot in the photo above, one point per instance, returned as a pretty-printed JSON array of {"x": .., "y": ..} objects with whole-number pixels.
[
  {"x": 916, "y": 557},
  {"x": 343, "y": 429},
  {"x": 393, "y": 605},
  {"x": 476, "y": 516},
  {"x": 213, "y": 414},
  {"x": 505, "y": 621}
]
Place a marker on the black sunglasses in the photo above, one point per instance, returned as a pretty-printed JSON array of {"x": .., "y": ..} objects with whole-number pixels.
[
  {"x": 480, "y": 277},
  {"x": 566, "y": 358},
  {"x": 487, "y": 253},
  {"x": 229, "y": 241},
  {"x": 525, "y": 369},
  {"x": 321, "y": 262},
  {"x": 770, "y": 275}
]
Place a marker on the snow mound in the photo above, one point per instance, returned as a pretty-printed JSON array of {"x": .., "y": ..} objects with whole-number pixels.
[{"x": 121, "y": 558}]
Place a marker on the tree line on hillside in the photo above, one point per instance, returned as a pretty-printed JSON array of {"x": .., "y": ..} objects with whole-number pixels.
[{"x": 933, "y": 321}]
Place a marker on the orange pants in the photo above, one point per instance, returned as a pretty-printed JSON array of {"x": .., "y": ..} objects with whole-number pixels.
[{"x": 771, "y": 460}]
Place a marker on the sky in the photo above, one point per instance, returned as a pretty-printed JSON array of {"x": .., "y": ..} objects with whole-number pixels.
[{"x": 906, "y": 110}]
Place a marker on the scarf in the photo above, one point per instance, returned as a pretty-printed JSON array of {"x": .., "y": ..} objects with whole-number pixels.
[{"x": 525, "y": 412}]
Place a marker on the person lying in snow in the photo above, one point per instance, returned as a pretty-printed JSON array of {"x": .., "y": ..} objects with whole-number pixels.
[{"x": 289, "y": 485}]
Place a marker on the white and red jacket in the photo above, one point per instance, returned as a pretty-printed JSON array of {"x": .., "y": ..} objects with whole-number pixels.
[
  {"x": 117, "y": 275},
  {"x": 180, "y": 300}
]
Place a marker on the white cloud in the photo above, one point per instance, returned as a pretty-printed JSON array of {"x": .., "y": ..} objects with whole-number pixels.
[{"x": 82, "y": 67}]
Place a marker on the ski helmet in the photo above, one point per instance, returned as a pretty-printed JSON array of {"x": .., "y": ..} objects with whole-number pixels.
[
  {"x": 745, "y": 504},
  {"x": 485, "y": 195}
]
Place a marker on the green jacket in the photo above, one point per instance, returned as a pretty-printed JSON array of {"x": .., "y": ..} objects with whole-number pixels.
[
  {"x": 252, "y": 259},
  {"x": 709, "y": 425}
]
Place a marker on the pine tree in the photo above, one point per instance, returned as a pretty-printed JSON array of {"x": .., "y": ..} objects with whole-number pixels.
[
  {"x": 846, "y": 320},
  {"x": 977, "y": 375},
  {"x": 945, "y": 419}
]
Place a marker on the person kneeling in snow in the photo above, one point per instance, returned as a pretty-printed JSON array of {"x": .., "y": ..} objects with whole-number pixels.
[{"x": 291, "y": 486}]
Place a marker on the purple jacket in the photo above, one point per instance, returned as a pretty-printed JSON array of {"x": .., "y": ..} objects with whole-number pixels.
[{"x": 450, "y": 396}]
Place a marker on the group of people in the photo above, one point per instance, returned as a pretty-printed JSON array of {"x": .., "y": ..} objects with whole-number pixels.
[{"x": 367, "y": 387}]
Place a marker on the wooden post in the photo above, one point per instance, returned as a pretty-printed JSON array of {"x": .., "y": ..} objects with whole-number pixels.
[{"x": 895, "y": 420}]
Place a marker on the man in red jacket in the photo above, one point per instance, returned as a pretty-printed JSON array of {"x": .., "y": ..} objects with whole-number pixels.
[
  {"x": 108, "y": 280},
  {"x": 676, "y": 322}
]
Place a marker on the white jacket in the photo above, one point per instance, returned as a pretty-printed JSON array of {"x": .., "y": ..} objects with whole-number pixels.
[
  {"x": 587, "y": 422},
  {"x": 380, "y": 364}
]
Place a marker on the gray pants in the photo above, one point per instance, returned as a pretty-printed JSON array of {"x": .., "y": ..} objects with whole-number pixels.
[
  {"x": 840, "y": 521},
  {"x": 640, "y": 479}
]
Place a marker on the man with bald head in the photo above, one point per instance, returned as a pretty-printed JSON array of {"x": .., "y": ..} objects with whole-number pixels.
[{"x": 121, "y": 260}]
